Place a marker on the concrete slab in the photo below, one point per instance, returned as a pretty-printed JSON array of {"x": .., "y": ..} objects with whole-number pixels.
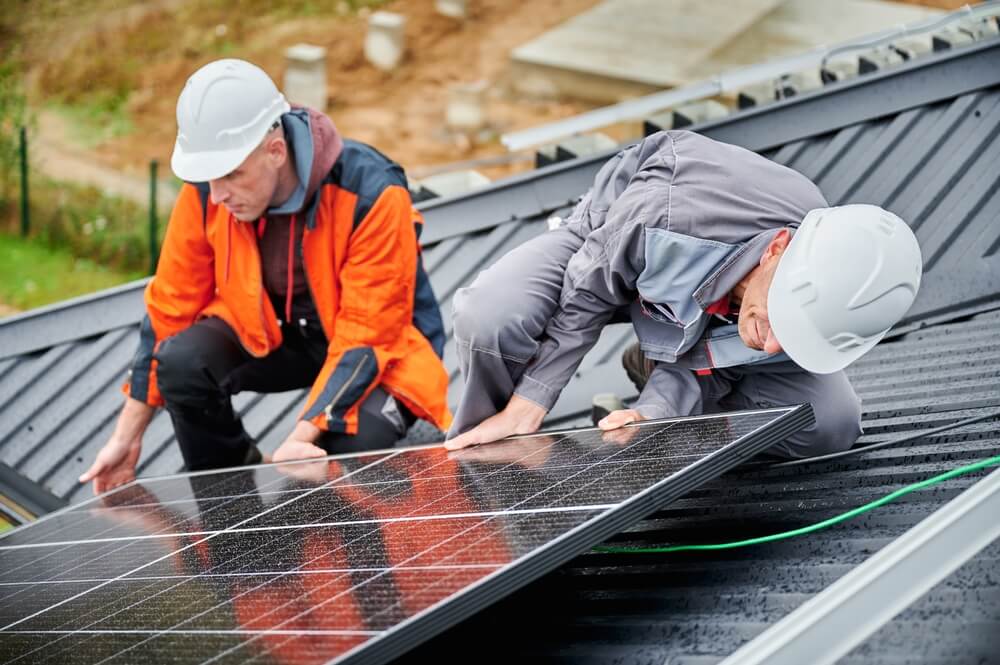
[
  {"x": 624, "y": 48},
  {"x": 802, "y": 25}
]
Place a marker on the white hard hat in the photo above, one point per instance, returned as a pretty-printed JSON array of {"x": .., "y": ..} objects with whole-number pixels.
[
  {"x": 223, "y": 113},
  {"x": 848, "y": 275}
]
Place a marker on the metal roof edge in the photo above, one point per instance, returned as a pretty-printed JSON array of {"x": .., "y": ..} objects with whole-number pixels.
[
  {"x": 78, "y": 317},
  {"x": 27, "y": 494},
  {"x": 826, "y": 627}
]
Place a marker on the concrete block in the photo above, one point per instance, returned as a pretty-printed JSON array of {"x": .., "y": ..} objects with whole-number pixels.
[
  {"x": 466, "y": 107},
  {"x": 573, "y": 147},
  {"x": 951, "y": 38},
  {"x": 839, "y": 69},
  {"x": 305, "y": 75},
  {"x": 758, "y": 94},
  {"x": 879, "y": 59},
  {"x": 801, "y": 82},
  {"x": 453, "y": 183},
  {"x": 700, "y": 111},
  {"x": 982, "y": 28},
  {"x": 658, "y": 122},
  {"x": 967, "y": 32},
  {"x": 385, "y": 42},
  {"x": 913, "y": 47},
  {"x": 452, "y": 8}
]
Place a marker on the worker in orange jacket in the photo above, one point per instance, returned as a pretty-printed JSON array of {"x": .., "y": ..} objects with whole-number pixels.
[{"x": 291, "y": 260}]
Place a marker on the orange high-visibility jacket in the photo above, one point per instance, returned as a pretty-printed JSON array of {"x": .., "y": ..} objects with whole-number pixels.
[{"x": 362, "y": 262}]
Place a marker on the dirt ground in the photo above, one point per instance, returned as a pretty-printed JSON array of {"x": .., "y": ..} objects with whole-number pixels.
[{"x": 401, "y": 112}]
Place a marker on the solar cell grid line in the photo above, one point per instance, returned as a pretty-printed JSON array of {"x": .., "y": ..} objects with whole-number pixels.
[
  {"x": 418, "y": 554},
  {"x": 11, "y": 625},
  {"x": 421, "y": 585},
  {"x": 68, "y": 519},
  {"x": 560, "y": 549},
  {"x": 235, "y": 648},
  {"x": 338, "y": 478},
  {"x": 489, "y": 516},
  {"x": 174, "y": 628}
]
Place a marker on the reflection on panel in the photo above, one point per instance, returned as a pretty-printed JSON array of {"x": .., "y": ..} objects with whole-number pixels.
[{"x": 306, "y": 562}]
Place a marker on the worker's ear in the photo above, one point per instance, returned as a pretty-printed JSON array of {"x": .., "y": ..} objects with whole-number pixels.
[
  {"x": 276, "y": 150},
  {"x": 777, "y": 246}
]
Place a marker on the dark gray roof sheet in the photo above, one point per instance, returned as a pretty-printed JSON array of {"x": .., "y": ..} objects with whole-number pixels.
[{"x": 699, "y": 607}]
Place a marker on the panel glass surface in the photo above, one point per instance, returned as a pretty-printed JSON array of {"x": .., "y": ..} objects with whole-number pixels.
[{"x": 334, "y": 560}]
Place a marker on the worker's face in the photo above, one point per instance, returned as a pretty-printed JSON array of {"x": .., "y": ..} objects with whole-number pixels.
[
  {"x": 247, "y": 191},
  {"x": 754, "y": 324}
]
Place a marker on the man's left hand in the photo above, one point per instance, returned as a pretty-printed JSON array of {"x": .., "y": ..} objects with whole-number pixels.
[
  {"x": 614, "y": 423},
  {"x": 300, "y": 444},
  {"x": 619, "y": 418}
]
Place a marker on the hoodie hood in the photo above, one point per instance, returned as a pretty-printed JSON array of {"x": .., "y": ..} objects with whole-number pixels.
[{"x": 316, "y": 145}]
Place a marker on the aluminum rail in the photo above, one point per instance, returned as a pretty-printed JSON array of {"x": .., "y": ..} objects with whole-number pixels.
[
  {"x": 847, "y": 612},
  {"x": 636, "y": 109}
]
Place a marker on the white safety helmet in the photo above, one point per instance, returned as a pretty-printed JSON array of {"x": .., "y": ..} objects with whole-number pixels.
[
  {"x": 848, "y": 275},
  {"x": 223, "y": 113}
]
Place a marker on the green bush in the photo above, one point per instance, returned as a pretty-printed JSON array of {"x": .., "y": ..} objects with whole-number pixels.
[
  {"x": 111, "y": 231},
  {"x": 13, "y": 116}
]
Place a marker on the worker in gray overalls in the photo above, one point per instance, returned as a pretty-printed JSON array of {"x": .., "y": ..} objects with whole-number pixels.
[{"x": 744, "y": 288}]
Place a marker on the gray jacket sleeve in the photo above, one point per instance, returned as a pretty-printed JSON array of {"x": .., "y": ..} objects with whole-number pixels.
[
  {"x": 668, "y": 393},
  {"x": 631, "y": 192}
]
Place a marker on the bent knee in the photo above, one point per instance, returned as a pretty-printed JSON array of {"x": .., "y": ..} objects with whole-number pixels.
[
  {"x": 181, "y": 370},
  {"x": 836, "y": 429}
]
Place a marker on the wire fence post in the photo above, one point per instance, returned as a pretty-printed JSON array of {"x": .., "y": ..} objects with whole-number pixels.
[
  {"x": 153, "y": 251},
  {"x": 25, "y": 208}
]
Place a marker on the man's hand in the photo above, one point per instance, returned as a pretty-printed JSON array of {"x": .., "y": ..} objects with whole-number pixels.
[
  {"x": 520, "y": 416},
  {"x": 528, "y": 453},
  {"x": 613, "y": 423},
  {"x": 114, "y": 466},
  {"x": 115, "y": 463},
  {"x": 300, "y": 444}
]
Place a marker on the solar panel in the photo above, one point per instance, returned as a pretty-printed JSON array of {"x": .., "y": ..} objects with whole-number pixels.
[{"x": 352, "y": 559}]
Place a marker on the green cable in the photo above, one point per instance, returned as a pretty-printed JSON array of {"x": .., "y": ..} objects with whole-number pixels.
[{"x": 992, "y": 461}]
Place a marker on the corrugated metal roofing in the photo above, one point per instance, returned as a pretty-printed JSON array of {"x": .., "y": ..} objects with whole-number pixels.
[
  {"x": 930, "y": 155},
  {"x": 696, "y": 608}
]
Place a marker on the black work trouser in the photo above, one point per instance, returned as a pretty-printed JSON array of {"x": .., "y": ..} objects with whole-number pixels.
[{"x": 199, "y": 369}]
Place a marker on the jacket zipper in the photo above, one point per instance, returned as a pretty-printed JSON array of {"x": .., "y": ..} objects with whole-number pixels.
[{"x": 340, "y": 393}]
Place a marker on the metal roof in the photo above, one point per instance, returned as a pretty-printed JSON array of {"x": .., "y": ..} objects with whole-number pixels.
[
  {"x": 922, "y": 140},
  {"x": 696, "y": 608}
]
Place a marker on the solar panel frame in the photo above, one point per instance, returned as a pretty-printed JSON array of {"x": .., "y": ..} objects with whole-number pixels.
[
  {"x": 423, "y": 626},
  {"x": 508, "y": 577}
]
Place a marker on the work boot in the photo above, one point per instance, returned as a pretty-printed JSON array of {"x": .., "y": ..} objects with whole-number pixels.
[{"x": 637, "y": 366}]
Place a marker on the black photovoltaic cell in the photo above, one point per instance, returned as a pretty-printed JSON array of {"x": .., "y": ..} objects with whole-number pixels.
[{"x": 350, "y": 559}]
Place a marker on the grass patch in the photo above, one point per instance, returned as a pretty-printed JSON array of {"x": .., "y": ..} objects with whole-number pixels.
[
  {"x": 32, "y": 274},
  {"x": 96, "y": 120}
]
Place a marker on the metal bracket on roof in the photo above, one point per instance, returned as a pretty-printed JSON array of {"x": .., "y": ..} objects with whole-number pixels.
[{"x": 833, "y": 622}]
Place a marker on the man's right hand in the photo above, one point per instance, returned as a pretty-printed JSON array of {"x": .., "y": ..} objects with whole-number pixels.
[
  {"x": 520, "y": 416},
  {"x": 116, "y": 462},
  {"x": 114, "y": 466}
]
